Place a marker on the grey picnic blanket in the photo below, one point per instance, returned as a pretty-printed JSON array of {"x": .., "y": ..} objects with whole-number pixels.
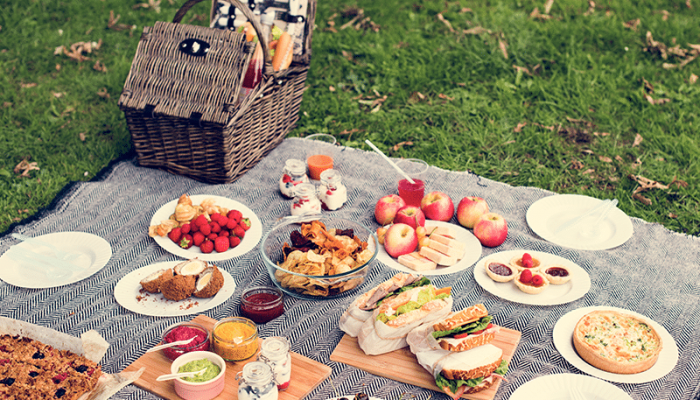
[{"x": 655, "y": 273}]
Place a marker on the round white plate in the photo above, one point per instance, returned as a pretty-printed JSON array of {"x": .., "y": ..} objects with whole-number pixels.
[
  {"x": 251, "y": 239},
  {"x": 130, "y": 296},
  {"x": 471, "y": 253},
  {"x": 578, "y": 286},
  {"x": 556, "y": 387},
  {"x": 94, "y": 252},
  {"x": 564, "y": 331},
  {"x": 546, "y": 215}
]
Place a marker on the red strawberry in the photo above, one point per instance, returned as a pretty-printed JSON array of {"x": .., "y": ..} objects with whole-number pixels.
[
  {"x": 537, "y": 281},
  {"x": 201, "y": 220},
  {"x": 198, "y": 238},
  {"x": 194, "y": 227},
  {"x": 526, "y": 276},
  {"x": 221, "y": 244},
  {"x": 215, "y": 227},
  {"x": 526, "y": 260},
  {"x": 235, "y": 214},
  {"x": 212, "y": 236},
  {"x": 222, "y": 221},
  {"x": 175, "y": 235},
  {"x": 232, "y": 223},
  {"x": 207, "y": 246},
  {"x": 225, "y": 233},
  {"x": 205, "y": 229},
  {"x": 286, "y": 178},
  {"x": 245, "y": 223},
  {"x": 215, "y": 217},
  {"x": 186, "y": 228},
  {"x": 238, "y": 231},
  {"x": 187, "y": 241},
  {"x": 234, "y": 240}
]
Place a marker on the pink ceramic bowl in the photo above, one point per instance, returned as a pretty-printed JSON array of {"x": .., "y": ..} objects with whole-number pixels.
[{"x": 199, "y": 390}]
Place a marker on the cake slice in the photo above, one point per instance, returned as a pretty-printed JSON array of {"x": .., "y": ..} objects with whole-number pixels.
[
  {"x": 437, "y": 257},
  {"x": 416, "y": 262}
]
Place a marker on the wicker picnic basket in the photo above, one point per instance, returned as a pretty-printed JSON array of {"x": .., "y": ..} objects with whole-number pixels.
[{"x": 183, "y": 109}]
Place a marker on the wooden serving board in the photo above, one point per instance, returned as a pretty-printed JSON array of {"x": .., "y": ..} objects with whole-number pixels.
[
  {"x": 306, "y": 373},
  {"x": 401, "y": 365}
]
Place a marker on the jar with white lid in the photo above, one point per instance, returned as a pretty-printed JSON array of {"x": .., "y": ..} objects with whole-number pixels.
[
  {"x": 306, "y": 201},
  {"x": 274, "y": 352},
  {"x": 332, "y": 192},
  {"x": 293, "y": 174},
  {"x": 256, "y": 382}
]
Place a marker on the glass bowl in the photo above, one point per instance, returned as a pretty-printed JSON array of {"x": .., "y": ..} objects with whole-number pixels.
[
  {"x": 315, "y": 287},
  {"x": 182, "y": 331}
]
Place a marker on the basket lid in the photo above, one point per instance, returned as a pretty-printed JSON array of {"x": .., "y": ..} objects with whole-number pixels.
[{"x": 187, "y": 71}]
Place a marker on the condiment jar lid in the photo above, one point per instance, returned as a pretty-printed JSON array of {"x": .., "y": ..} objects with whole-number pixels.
[{"x": 257, "y": 372}]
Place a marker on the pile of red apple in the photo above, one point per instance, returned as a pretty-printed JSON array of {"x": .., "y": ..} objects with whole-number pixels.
[{"x": 472, "y": 212}]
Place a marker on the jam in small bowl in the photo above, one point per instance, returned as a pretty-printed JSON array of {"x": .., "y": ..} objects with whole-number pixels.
[
  {"x": 262, "y": 304},
  {"x": 184, "y": 331}
]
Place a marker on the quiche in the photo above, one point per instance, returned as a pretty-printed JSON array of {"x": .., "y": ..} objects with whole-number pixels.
[{"x": 616, "y": 342}]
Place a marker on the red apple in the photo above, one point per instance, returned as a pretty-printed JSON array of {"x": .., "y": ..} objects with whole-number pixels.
[
  {"x": 410, "y": 215},
  {"x": 437, "y": 206},
  {"x": 386, "y": 208},
  {"x": 400, "y": 239},
  {"x": 491, "y": 230},
  {"x": 470, "y": 209}
]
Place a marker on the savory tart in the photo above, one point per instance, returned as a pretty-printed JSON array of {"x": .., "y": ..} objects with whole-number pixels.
[
  {"x": 556, "y": 274},
  {"x": 500, "y": 272},
  {"x": 525, "y": 261},
  {"x": 531, "y": 282},
  {"x": 616, "y": 342}
]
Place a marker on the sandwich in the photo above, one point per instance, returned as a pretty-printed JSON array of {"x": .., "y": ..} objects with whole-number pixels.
[
  {"x": 457, "y": 350},
  {"x": 464, "y": 372},
  {"x": 363, "y": 306},
  {"x": 391, "y": 322}
]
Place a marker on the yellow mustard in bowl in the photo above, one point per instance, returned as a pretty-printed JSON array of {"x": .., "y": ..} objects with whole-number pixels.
[{"x": 235, "y": 338}]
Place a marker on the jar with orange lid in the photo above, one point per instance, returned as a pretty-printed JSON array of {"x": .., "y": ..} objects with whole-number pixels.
[{"x": 235, "y": 338}]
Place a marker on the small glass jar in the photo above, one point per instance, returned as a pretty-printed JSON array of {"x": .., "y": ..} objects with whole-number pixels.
[
  {"x": 293, "y": 173},
  {"x": 256, "y": 382},
  {"x": 262, "y": 304},
  {"x": 305, "y": 200},
  {"x": 274, "y": 352},
  {"x": 332, "y": 193},
  {"x": 235, "y": 338},
  {"x": 184, "y": 331}
]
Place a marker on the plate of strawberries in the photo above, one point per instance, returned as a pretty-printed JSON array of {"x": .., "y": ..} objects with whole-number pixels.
[{"x": 211, "y": 228}]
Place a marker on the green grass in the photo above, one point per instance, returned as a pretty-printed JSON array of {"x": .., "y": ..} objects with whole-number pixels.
[{"x": 583, "y": 103}]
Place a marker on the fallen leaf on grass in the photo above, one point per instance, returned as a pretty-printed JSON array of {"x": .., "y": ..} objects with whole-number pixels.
[
  {"x": 576, "y": 164},
  {"x": 535, "y": 14},
  {"x": 416, "y": 97},
  {"x": 687, "y": 4},
  {"x": 446, "y": 22},
  {"x": 525, "y": 70},
  {"x": 348, "y": 132},
  {"x": 591, "y": 8},
  {"x": 477, "y": 30},
  {"x": 503, "y": 46},
  {"x": 520, "y": 127},
  {"x": 637, "y": 140},
  {"x": 103, "y": 93},
  {"x": 6, "y": 104},
  {"x": 58, "y": 67},
  {"x": 618, "y": 158},
  {"x": 331, "y": 88},
  {"x": 397, "y": 146},
  {"x": 645, "y": 184},
  {"x": 605, "y": 159},
  {"x": 672, "y": 215},
  {"x": 510, "y": 142},
  {"x": 99, "y": 66},
  {"x": 551, "y": 128},
  {"x": 588, "y": 171},
  {"x": 67, "y": 111},
  {"x": 633, "y": 24},
  {"x": 664, "y": 14},
  {"x": 465, "y": 10},
  {"x": 81, "y": 135},
  {"x": 153, "y": 4},
  {"x": 548, "y": 6},
  {"x": 331, "y": 23},
  {"x": 28, "y": 85},
  {"x": 445, "y": 97},
  {"x": 24, "y": 166},
  {"x": 653, "y": 101},
  {"x": 112, "y": 23},
  {"x": 642, "y": 199},
  {"x": 693, "y": 79},
  {"x": 58, "y": 95},
  {"x": 678, "y": 183},
  {"x": 601, "y": 133}
]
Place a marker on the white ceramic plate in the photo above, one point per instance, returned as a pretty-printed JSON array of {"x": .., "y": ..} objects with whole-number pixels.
[
  {"x": 94, "y": 252},
  {"x": 556, "y": 387},
  {"x": 564, "y": 331},
  {"x": 578, "y": 286},
  {"x": 130, "y": 296},
  {"x": 546, "y": 215},
  {"x": 471, "y": 253},
  {"x": 251, "y": 239}
]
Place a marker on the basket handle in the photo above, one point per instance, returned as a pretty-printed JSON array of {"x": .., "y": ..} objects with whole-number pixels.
[{"x": 243, "y": 8}]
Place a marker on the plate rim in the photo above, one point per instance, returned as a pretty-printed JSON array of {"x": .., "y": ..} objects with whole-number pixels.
[
  {"x": 123, "y": 281},
  {"x": 103, "y": 250},
  {"x": 544, "y": 381},
  {"x": 389, "y": 261},
  {"x": 563, "y": 331},
  {"x": 621, "y": 220},
  {"x": 480, "y": 276},
  {"x": 255, "y": 232}
]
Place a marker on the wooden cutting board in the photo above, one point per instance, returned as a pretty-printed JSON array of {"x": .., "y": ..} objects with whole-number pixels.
[
  {"x": 306, "y": 373},
  {"x": 401, "y": 365}
]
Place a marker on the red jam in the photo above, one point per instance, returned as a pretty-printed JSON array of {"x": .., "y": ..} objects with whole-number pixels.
[
  {"x": 556, "y": 271},
  {"x": 262, "y": 304},
  {"x": 184, "y": 332},
  {"x": 500, "y": 269}
]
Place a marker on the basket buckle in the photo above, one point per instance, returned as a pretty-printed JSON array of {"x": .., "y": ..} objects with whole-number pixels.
[{"x": 194, "y": 47}]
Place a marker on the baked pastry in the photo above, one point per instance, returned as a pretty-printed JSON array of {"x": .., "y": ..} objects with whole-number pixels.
[
  {"x": 556, "y": 274},
  {"x": 152, "y": 282},
  {"x": 531, "y": 282},
  {"x": 178, "y": 287},
  {"x": 31, "y": 369},
  {"x": 617, "y": 342},
  {"x": 194, "y": 267},
  {"x": 209, "y": 282},
  {"x": 525, "y": 261},
  {"x": 500, "y": 272}
]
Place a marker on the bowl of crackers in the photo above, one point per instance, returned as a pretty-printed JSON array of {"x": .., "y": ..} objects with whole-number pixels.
[{"x": 318, "y": 257}]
